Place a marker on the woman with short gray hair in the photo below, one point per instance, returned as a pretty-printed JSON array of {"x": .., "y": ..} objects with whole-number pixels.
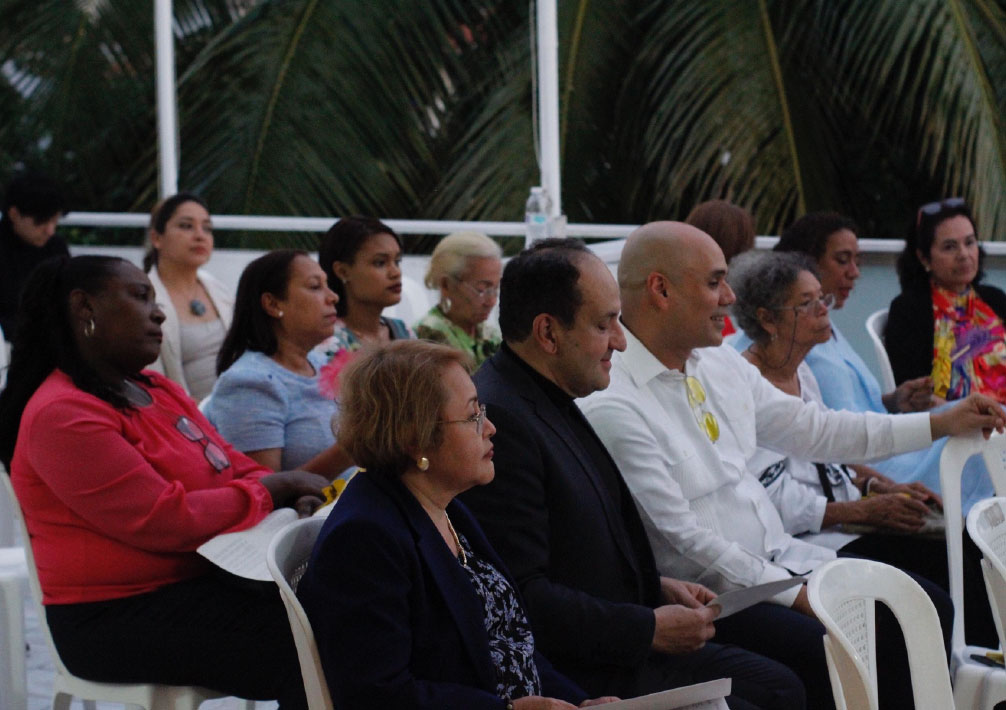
[
  {"x": 782, "y": 308},
  {"x": 466, "y": 268}
]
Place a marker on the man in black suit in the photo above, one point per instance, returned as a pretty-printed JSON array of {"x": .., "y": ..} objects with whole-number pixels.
[{"x": 559, "y": 513}]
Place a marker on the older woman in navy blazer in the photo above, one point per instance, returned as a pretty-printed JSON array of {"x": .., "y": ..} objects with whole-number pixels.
[{"x": 410, "y": 605}]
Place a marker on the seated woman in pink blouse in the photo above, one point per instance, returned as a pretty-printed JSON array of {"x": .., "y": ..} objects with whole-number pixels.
[
  {"x": 945, "y": 323},
  {"x": 120, "y": 479}
]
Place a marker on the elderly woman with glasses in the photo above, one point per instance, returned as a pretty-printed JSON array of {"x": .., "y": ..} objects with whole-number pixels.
[
  {"x": 466, "y": 269},
  {"x": 945, "y": 323},
  {"x": 410, "y": 605},
  {"x": 781, "y": 306}
]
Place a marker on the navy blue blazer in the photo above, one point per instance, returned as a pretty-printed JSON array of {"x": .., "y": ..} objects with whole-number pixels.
[
  {"x": 584, "y": 565},
  {"x": 396, "y": 618}
]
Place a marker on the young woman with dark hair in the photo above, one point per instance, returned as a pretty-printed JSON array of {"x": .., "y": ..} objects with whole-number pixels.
[
  {"x": 362, "y": 258},
  {"x": 120, "y": 479}
]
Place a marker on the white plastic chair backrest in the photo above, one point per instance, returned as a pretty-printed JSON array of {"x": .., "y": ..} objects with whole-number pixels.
[
  {"x": 287, "y": 559},
  {"x": 987, "y": 526},
  {"x": 875, "y": 324},
  {"x": 842, "y": 593},
  {"x": 955, "y": 454},
  {"x": 33, "y": 584}
]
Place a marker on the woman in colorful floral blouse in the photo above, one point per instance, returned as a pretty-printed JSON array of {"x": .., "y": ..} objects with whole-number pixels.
[
  {"x": 465, "y": 268},
  {"x": 945, "y": 323}
]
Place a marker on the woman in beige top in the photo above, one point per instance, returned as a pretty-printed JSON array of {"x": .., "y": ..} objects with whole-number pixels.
[{"x": 197, "y": 306}]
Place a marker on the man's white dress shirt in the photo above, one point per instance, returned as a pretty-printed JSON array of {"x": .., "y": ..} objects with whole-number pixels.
[{"x": 707, "y": 518}]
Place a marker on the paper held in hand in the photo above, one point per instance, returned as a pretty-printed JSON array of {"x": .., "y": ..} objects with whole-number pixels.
[
  {"x": 740, "y": 599},
  {"x": 701, "y": 696},
  {"x": 243, "y": 552}
]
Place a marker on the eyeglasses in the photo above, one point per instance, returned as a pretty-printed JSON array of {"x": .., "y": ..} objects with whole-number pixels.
[
  {"x": 931, "y": 209},
  {"x": 696, "y": 398},
  {"x": 478, "y": 419},
  {"x": 827, "y": 300},
  {"x": 483, "y": 294},
  {"x": 213, "y": 453}
]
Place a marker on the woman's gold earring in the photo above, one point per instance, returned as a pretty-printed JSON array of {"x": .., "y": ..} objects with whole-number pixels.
[
  {"x": 423, "y": 463},
  {"x": 89, "y": 328}
]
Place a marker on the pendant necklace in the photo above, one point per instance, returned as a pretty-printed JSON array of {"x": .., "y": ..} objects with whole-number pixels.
[{"x": 461, "y": 551}]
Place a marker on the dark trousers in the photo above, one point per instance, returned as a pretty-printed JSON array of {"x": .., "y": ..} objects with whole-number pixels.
[
  {"x": 214, "y": 631},
  {"x": 795, "y": 640},
  {"x": 758, "y": 682},
  {"x": 928, "y": 558}
]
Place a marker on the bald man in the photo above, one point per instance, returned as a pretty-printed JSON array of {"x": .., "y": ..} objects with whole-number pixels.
[{"x": 683, "y": 415}]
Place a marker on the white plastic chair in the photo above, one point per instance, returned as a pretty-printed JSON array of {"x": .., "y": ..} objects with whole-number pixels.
[
  {"x": 975, "y": 685},
  {"x": 13, "y": 584},
  {"x": 987, "y": 526},
  {"x": 287, "y": 559},
  {"x": 67, "y": 686},
  {"x": 875, "y": 325},
  {"x": 842, "y": 594}
]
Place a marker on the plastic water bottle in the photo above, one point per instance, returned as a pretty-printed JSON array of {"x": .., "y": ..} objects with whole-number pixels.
[{"x": 536, "y": 214}]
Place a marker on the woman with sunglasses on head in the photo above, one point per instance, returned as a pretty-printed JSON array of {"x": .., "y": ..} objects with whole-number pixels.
[
  {"x": 270, "y": 400},
  {"x": 945, "y": 324},
  {"x": 466, "y": 268},
  {"x": 410, "y": 605},
  {"x": 197, "y": 307},
  {"x": 120, "y": 479}
]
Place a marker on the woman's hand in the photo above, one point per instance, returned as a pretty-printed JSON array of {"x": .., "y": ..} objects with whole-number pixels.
[
  {"x": 918, "y": 491},
  {"x": 911, "y": 396},
  {"x": 599, "y": 701},
  {"x": 291, "y": 487},
  {"x": 897, "y": 511}
]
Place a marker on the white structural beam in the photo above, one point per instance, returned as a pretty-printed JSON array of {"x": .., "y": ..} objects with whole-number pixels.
[
  {"x": 548, "y": 100},
  {"x": 167, "y": 113}
]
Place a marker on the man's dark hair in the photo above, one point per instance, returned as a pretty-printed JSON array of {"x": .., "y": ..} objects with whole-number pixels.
[
  {"x": 541, "y": 279},
  {"x": 35, "y": 196}
]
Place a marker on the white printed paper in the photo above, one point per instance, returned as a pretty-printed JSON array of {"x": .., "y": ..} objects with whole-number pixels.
[
  {"x": 740, "y": 599},
  {"x": 701, "y": 696}
]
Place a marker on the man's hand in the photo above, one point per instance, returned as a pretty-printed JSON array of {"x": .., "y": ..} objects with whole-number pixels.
[
  {"x": 911, "y": 396},
  {"x": 802, "y": 603},
  {"x": 975, "y": 412},
  {"x": 689, "y": 594},
  {"x": 679, "y": 629}
]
